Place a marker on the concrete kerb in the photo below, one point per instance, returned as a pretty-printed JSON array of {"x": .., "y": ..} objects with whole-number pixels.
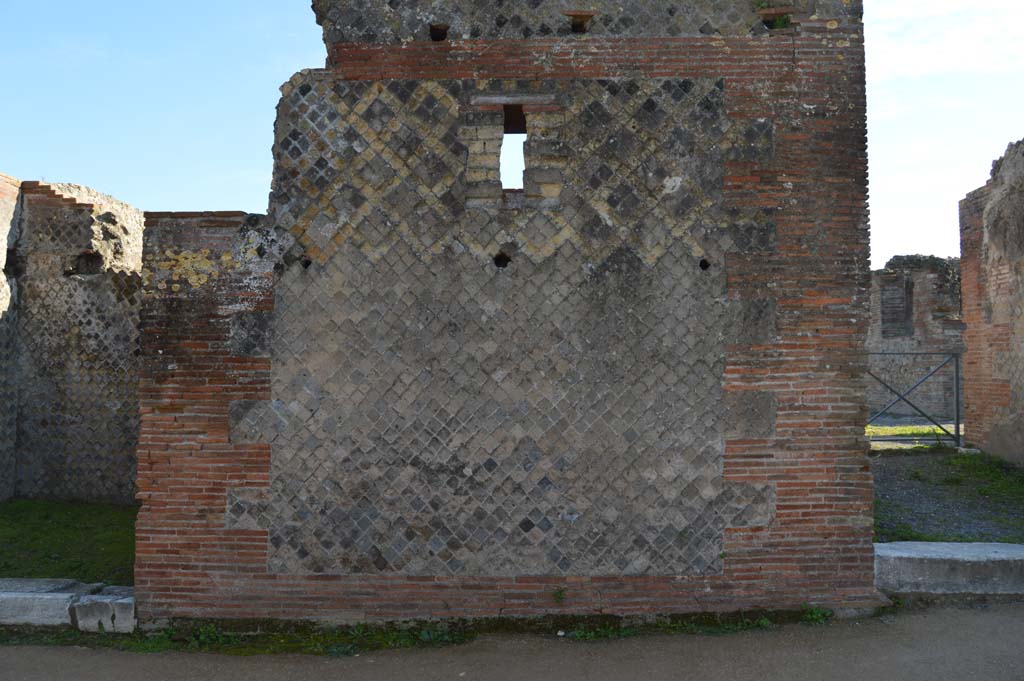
[
  {"x": 62, "y": 602},
  {"x": 947, "y": 569}
]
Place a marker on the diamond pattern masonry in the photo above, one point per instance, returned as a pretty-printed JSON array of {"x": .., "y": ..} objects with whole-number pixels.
[
  {"x": 435, "y": 414},
  {"x": 77, "y": 344},
  {"x": 347, "y": 21}
]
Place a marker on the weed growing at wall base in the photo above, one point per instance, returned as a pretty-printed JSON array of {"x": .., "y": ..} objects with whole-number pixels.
[
  {"x": 815, "y": 616},
  {"x": 272, "y": 637}
]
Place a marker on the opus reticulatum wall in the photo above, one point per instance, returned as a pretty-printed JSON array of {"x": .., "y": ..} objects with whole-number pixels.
[
  {"x": 9, "y": 192},
  {"x": 408, "y": 393},
  {"x": 69, "y": 352}
]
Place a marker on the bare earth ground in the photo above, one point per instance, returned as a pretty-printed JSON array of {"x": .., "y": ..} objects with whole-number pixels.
[
  {"x": 937, "y": 645},
  {"x": 944, "y": 496}
]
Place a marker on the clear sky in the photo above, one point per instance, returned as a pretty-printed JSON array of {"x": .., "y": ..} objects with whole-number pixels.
[{"x": 170, "y": 106}]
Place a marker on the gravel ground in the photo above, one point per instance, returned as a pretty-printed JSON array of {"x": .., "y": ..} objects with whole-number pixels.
[{"x": 921, "y": 497}]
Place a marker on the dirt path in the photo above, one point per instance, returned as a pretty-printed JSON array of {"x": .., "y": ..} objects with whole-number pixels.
[{"x": 937, "y": 645}]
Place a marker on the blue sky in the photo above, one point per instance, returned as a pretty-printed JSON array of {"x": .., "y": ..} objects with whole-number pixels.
[
  {"x": 166, "y": 105},
  {"x": 170, "y": 106}
]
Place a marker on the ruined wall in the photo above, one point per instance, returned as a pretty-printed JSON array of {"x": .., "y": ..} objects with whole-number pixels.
[
  {"x": 992, "y": 243},
  {"x": 9, "y": 190},
  {"x": 371, "y": 21},
  {"x": 915, "y": 307},
  {"x": 407, "y": 393},
  {"x": 80, "y": 254}
]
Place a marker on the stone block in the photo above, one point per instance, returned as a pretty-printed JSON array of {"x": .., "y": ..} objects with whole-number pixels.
[
  {"x": 105, "y": 613},
  {"x": 751, "y": 415},
  {"x": 250, "y": 334},
  {"x": 36, "y": 609},
  {"x": 754, "y": 321}
]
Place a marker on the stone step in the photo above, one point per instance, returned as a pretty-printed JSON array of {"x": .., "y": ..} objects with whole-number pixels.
[{"x": 949, "y": 569}]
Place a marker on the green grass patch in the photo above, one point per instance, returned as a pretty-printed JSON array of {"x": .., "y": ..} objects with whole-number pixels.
[
  {"x": 911, "y": 448},
  {"x": 990, "y": 492},
  {"x": 57, "y": 540},
  {"x": 924, "y": 432},
  {"x": 992, "y": 478}
]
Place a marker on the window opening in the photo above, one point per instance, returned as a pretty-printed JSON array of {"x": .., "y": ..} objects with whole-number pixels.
[
  {"x": 580, "y": 20},
  {"x": 513, "y": 156}
]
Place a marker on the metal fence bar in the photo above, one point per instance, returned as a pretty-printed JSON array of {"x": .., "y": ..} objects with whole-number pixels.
[
  {"x": 913, "y": 406},
  {"x": 913, "y": 354},
  {"x": 956, "y": 402},
  {"x": 904, "y": 396}
]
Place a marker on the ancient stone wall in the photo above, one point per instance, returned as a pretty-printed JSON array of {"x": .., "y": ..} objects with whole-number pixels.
[
  {"x": 992, "y": 243},
  {"x": 79, "y": 254},
  {"x": 915, "y": 307},
  {"x": 371, "y": 21},
  {"x": 409, "y": 393},
  {"x": 9, "y": 191}
]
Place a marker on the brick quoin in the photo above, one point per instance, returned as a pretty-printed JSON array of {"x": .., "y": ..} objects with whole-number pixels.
[{"x": 201, "y": 272}]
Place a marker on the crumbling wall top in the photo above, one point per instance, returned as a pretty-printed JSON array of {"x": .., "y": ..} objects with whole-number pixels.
[
  {"x": 391, "y": 21},
  {"x": 107, "y": 227},
  {"x": 946, "y": 271},
  {"x": 9, "y": 188},
  {"x": 1004, "y": 214}
]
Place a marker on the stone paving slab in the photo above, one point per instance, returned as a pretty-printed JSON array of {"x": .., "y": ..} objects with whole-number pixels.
[{"x": 947, "y": 568}]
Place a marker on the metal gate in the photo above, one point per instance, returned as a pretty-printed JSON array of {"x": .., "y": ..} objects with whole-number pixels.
[{"x": 953, "y": 358}]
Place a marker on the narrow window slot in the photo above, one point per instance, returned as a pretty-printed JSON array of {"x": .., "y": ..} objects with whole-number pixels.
[{"x": 513, "y": 158}]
